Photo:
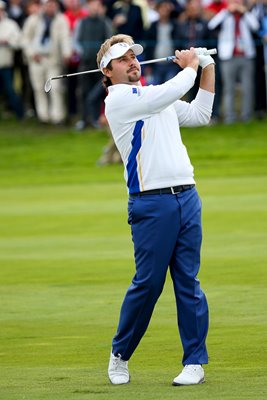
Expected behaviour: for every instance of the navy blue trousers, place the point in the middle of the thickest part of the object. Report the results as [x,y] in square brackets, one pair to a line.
[6,78]
[167,233]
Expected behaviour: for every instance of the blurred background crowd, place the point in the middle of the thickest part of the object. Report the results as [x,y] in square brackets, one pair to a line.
[44,38]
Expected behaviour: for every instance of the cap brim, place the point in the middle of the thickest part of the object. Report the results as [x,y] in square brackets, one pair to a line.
[137,49]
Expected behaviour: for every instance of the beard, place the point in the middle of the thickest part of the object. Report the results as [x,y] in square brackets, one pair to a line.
[134,76]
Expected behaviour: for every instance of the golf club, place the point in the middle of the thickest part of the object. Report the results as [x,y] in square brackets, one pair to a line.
[199,51]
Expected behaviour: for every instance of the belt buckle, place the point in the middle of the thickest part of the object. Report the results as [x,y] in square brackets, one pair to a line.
[173,191]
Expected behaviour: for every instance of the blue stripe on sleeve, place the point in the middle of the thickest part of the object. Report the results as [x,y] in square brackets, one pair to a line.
[133,181]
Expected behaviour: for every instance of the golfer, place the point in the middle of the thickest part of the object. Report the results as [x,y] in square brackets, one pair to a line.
[164,209]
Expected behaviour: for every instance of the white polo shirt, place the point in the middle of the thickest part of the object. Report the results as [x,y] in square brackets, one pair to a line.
[145,122]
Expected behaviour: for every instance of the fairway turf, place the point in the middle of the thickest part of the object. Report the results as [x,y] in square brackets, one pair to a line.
[66,260]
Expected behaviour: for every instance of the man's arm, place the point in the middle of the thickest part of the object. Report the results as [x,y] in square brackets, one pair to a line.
[207,80]
[199,111]
[141,102]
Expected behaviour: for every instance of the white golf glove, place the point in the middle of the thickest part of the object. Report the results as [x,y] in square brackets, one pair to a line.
[200,51]
[204,61]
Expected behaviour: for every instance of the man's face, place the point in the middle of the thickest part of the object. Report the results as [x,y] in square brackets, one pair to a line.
[95,7]
[193,8]
[125,69]
[235,2]
[50,8]
[72,4]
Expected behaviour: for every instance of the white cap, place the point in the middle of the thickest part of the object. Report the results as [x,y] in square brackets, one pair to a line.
[118,50]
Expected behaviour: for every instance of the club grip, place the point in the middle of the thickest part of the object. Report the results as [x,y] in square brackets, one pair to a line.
[202,51]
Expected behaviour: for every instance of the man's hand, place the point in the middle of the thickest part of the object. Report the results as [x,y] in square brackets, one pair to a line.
[3,42]
[186,58]
[66,60]
[204,61]
[236,8]
[37,58]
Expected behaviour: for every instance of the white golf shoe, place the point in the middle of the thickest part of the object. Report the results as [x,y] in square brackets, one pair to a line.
[192,374]
[118,370]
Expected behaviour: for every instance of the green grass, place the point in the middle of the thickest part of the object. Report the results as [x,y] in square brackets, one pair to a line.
[66,261]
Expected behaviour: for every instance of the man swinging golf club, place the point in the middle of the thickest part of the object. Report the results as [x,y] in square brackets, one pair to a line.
[164,209]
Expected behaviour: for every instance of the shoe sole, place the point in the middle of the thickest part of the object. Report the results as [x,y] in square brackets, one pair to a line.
[118,384]
[188,384]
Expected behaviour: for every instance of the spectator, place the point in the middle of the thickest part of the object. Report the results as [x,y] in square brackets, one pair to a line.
[144,6]
[74,12]
[9,42]
[179,6]
[91,32]
[47,45]
[259,9]
[160,43]
[109,7]
[236,51]
[192,31]
[32,7]
[213,8]
[127,19]
[210,10]
[152,13]
[17,10]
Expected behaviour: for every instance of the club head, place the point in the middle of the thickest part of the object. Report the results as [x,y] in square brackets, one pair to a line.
[48,85]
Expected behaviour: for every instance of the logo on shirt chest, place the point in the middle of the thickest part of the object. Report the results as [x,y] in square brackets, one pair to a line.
[135,91]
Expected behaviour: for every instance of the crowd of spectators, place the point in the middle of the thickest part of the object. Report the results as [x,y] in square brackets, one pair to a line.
[44,38]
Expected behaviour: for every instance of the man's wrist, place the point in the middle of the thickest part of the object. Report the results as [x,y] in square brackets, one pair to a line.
[194,65]
[209,67]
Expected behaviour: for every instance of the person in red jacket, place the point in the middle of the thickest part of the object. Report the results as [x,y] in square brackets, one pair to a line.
[74,12]
[214,7]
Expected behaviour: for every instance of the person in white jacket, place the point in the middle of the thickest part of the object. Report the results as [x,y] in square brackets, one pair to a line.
[164,208]
[236,51]
[47,46]
[10,36]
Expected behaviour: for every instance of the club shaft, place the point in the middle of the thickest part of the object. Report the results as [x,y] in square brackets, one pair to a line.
[76,73]
[170,58]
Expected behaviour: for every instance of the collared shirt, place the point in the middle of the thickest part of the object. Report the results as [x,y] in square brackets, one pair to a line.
[9,32]
[145,121]
[225,21]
